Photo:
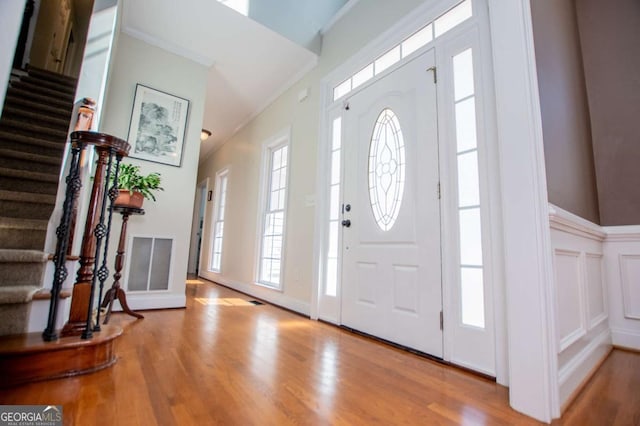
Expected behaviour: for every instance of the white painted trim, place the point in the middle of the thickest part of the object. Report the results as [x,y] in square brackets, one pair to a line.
[563,220]
[168,46]
[406,26]
[625,282]
[149,300]
[277,141]
[529,280]
[604,315]
[223,171]
[565,341]
[625,338]
[622,234]
[265,293]
[582,365]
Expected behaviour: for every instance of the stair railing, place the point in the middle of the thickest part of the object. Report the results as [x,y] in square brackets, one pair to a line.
[108,147]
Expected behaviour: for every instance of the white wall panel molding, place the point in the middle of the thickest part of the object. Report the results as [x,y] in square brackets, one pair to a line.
[622,276]
[562,220]
[596,293]
[629,273]
[621,234]
[570,306]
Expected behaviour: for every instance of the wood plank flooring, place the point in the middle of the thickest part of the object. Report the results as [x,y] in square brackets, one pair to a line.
[224,361]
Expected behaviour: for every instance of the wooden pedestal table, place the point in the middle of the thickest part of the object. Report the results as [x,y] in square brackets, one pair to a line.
[115,292]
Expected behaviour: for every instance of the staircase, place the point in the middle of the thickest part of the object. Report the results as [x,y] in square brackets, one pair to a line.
[33,134]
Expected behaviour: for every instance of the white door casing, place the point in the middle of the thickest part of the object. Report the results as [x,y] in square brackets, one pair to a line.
[391,283]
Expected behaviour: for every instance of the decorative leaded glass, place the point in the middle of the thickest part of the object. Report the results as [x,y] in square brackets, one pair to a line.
[386,169]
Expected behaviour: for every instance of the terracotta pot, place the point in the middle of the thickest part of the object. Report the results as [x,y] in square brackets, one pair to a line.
[127,199]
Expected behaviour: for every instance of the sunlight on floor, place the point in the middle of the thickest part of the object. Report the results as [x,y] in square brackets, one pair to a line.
[226,301]
[195,282]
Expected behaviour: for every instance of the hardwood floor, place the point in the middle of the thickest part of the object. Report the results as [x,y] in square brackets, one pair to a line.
[225,361]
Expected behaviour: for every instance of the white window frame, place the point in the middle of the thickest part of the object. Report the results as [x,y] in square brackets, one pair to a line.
[276,142]
[220,175]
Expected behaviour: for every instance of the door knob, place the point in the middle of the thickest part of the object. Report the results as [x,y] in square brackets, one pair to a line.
[346,223]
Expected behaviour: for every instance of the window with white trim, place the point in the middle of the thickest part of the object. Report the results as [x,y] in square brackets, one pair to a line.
[331,272]
[218,219]
[469,220]
[273,217]
[445,22]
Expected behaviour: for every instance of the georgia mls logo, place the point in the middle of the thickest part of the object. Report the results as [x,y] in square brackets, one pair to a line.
[53,410]
[30,415]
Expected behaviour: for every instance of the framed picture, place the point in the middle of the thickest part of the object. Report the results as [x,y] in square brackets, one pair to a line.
[158,125]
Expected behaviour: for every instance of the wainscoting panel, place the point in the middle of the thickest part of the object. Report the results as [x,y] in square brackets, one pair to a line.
[581,314]
[622,273]
[569,296]
[630,271]
[596,294]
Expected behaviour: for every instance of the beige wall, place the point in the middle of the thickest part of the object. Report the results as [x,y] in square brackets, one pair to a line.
[367,20]
[610,37]
[571,181]
[138,62]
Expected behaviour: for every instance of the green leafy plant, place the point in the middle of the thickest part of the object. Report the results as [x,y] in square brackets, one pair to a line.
[129,177]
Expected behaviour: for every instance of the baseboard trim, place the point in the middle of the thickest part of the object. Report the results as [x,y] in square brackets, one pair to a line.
[577,372]
[628,339]
[141,302]
[274,297]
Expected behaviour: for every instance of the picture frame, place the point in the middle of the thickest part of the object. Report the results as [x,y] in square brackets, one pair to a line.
[158,126]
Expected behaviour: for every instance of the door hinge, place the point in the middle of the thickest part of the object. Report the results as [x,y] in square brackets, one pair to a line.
[435,74]
[439,192]
[441,321]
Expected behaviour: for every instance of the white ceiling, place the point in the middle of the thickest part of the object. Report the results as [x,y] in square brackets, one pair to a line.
[249,64]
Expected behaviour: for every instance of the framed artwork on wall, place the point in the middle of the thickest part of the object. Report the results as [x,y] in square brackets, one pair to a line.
[158,126]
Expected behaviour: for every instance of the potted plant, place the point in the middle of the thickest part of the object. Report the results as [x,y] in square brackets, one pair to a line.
[134,187]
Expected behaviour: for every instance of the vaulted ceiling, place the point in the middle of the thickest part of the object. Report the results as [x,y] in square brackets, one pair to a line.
[249,63]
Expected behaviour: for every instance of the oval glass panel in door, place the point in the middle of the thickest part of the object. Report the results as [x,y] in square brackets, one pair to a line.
[386,169]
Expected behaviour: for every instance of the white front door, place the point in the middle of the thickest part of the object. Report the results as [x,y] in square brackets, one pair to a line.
[391,283]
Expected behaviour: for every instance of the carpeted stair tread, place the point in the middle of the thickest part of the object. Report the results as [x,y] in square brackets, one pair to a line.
[30,128]
[28,143]
[17,294]
[44,109]
[29,156]
[26,205]
[23,224]
[23,234]
[23,256]
[51,85]
[20,113]
[52,76]
[27,197]
[37,97]
[22,267]
[28,175]
[43,91]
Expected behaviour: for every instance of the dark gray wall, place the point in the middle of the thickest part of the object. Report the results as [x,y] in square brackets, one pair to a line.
[571,180]
[610,39]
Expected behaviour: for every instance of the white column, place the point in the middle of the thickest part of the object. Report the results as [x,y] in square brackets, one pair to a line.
[533,385]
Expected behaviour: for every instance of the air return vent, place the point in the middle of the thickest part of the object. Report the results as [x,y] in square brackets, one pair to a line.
[149,264]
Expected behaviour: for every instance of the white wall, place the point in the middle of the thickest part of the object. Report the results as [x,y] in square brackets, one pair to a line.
[138,62]
[10,19]
[364,22]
